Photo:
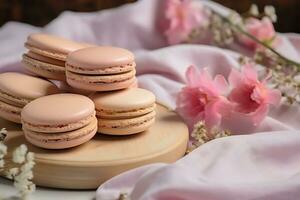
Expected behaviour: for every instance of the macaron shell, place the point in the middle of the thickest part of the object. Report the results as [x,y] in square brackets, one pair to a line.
[52,46]
[63,127]
[10,112]
[58,109]
[44,59]
[124,100]
[107,83]
[126,126]
[134,84]
[24,86]
[94,58]
[44,69]
[64,139]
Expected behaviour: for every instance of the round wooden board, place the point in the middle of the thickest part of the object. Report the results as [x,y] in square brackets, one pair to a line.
[90,164]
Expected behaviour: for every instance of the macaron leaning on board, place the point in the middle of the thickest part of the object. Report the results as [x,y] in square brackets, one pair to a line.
[124,112]
[59,121]
[17,90]
[47,54]
[101,68]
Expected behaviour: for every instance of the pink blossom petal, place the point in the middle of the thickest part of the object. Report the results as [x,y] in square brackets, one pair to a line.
[259,94]
[262,29]
[212,116]
[207,84]
[180,18]
[193,76]
[205,76]
[273,97]
[258,115]
[221,83]
[235,78]
[242,97]
[225,107]
[249,72]
[188,100]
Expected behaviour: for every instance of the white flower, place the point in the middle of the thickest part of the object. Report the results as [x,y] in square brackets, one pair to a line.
[235,18]
[254,10]
[271,13]
[12,172]
[19,154]
[23,180]
[3,152]
[201,135]
[3,133]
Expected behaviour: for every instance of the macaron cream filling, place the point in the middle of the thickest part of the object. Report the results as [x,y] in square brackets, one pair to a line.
[126,123]
[42,65]
[63,136]
[107,113]
[104,70]
[101,79]
[13,100]
[10,109]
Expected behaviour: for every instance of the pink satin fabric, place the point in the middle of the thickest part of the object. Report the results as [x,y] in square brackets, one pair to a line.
[263,165]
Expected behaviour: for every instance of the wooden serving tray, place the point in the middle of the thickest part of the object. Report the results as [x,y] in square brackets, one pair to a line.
[90,164]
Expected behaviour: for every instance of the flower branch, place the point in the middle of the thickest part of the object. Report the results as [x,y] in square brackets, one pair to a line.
[22,173]
[238,28]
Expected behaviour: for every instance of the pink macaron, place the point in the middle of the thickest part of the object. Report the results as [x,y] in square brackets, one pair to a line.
[101,68]
[59,121]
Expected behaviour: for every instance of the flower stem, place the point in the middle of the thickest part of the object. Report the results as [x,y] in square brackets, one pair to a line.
[240,29]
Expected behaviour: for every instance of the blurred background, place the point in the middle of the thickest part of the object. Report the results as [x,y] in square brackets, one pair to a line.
[40,12]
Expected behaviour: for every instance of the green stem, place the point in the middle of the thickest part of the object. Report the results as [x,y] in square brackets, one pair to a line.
[240,29]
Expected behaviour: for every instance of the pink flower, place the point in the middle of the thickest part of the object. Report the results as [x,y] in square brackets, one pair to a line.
[262,29]
[251,97]
[180,18]
[202,98]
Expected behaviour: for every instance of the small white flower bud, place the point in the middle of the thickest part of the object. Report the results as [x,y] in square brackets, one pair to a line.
[254,10]
[19,154]
[271,13]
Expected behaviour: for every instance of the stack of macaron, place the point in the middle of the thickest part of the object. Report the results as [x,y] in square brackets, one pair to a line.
[122,108]
[112,104]
[124,112]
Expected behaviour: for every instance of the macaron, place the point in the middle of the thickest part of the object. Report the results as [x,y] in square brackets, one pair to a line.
[17,90]
[47,54]
[124,112]
[59,121]
[101,68]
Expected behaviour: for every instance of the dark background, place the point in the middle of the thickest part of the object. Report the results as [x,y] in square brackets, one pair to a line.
[40,12]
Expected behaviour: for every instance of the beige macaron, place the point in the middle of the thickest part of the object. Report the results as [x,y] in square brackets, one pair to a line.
[124,112]
[17,90]
[47,54]
[59,121]
[101,68]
